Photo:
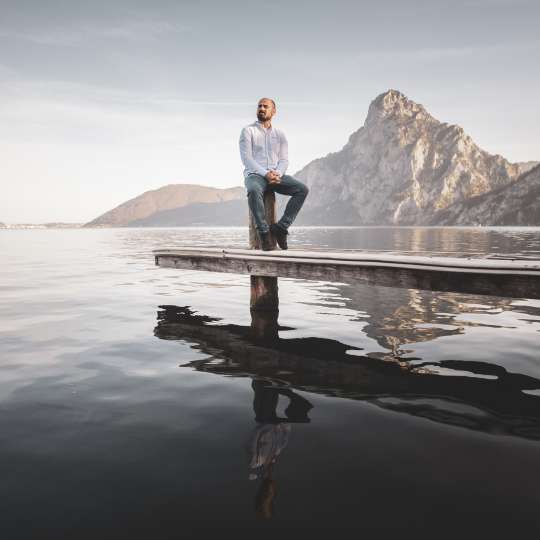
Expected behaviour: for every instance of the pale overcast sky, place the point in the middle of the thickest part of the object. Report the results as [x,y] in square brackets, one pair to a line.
[103,100]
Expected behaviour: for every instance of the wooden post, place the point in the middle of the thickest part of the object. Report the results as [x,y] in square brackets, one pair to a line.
[264,293]
[264,289]
[264,324]
[270,214]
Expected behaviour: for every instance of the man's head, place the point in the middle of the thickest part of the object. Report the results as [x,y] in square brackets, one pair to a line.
[266,108]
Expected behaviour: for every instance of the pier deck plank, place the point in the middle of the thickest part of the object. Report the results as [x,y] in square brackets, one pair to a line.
[519,278]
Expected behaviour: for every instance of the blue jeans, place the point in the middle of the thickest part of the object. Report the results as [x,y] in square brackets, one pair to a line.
[256,185]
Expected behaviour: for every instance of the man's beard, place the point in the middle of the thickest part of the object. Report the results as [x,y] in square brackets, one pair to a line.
[261,116]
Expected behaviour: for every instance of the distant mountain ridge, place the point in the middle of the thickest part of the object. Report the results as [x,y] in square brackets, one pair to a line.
[517,203]
[526,166]
[402,167]
[172,196]
[233,213]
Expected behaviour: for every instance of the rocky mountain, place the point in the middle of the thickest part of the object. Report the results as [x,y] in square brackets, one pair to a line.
[517,203]
[2,225]
[169,197]
[401,168]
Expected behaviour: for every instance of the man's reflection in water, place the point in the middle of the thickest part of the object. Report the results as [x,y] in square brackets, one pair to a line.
[271,436]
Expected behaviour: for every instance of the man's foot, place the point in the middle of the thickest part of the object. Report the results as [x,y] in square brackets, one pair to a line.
[280,234]
[266,244]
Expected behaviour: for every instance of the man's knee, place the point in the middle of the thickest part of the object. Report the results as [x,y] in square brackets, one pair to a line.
[254,190]
[303,189]
[297,187]
[254,187]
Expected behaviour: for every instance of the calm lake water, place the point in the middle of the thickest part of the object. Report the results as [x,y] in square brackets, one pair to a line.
[133,402]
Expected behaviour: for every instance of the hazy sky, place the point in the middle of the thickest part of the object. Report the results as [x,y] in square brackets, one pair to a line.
[103,100]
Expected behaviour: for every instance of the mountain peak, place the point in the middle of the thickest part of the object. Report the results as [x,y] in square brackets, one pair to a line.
[393,103]
[402,167]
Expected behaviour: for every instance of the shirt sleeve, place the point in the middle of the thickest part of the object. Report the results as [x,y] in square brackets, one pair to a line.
[283,161]
[246,153]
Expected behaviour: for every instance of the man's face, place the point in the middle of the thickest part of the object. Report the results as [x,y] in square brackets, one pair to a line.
[265,110]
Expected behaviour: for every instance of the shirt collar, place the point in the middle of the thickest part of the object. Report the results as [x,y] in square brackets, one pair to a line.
[260,124]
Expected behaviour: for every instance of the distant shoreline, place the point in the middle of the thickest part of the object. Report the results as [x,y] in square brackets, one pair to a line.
[30,226]
[42,226]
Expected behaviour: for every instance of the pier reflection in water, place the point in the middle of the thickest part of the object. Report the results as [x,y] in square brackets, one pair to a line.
[419,357]
[488,398]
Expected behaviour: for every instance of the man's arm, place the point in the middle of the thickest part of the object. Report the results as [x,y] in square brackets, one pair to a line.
[246,153]
[283,161]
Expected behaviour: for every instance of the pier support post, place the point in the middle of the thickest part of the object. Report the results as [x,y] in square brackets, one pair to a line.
[264,293]
[264,324]
[270,214]
[264,302]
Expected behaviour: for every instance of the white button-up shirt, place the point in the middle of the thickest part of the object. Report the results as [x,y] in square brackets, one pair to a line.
[263,149]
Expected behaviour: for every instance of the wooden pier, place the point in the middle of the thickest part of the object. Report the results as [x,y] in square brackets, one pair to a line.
[324,366]
[497,277]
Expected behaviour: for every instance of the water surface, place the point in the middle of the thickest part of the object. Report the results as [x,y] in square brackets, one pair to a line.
[135,400]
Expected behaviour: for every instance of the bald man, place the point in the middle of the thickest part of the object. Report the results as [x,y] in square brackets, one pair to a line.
[264,153]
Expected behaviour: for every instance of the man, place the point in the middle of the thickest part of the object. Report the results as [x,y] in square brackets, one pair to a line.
[264,153]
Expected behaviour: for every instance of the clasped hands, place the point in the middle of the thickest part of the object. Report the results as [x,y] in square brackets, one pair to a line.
[273,177]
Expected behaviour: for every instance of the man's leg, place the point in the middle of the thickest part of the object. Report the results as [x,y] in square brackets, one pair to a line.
[256,186]
[298,193]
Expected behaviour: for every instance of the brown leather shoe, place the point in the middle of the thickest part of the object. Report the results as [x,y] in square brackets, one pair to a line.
[280,235]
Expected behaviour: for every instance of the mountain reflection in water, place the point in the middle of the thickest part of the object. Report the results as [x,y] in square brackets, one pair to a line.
[398,317]
[490,401]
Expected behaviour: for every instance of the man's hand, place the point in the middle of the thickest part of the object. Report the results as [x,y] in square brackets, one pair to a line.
[273,177]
